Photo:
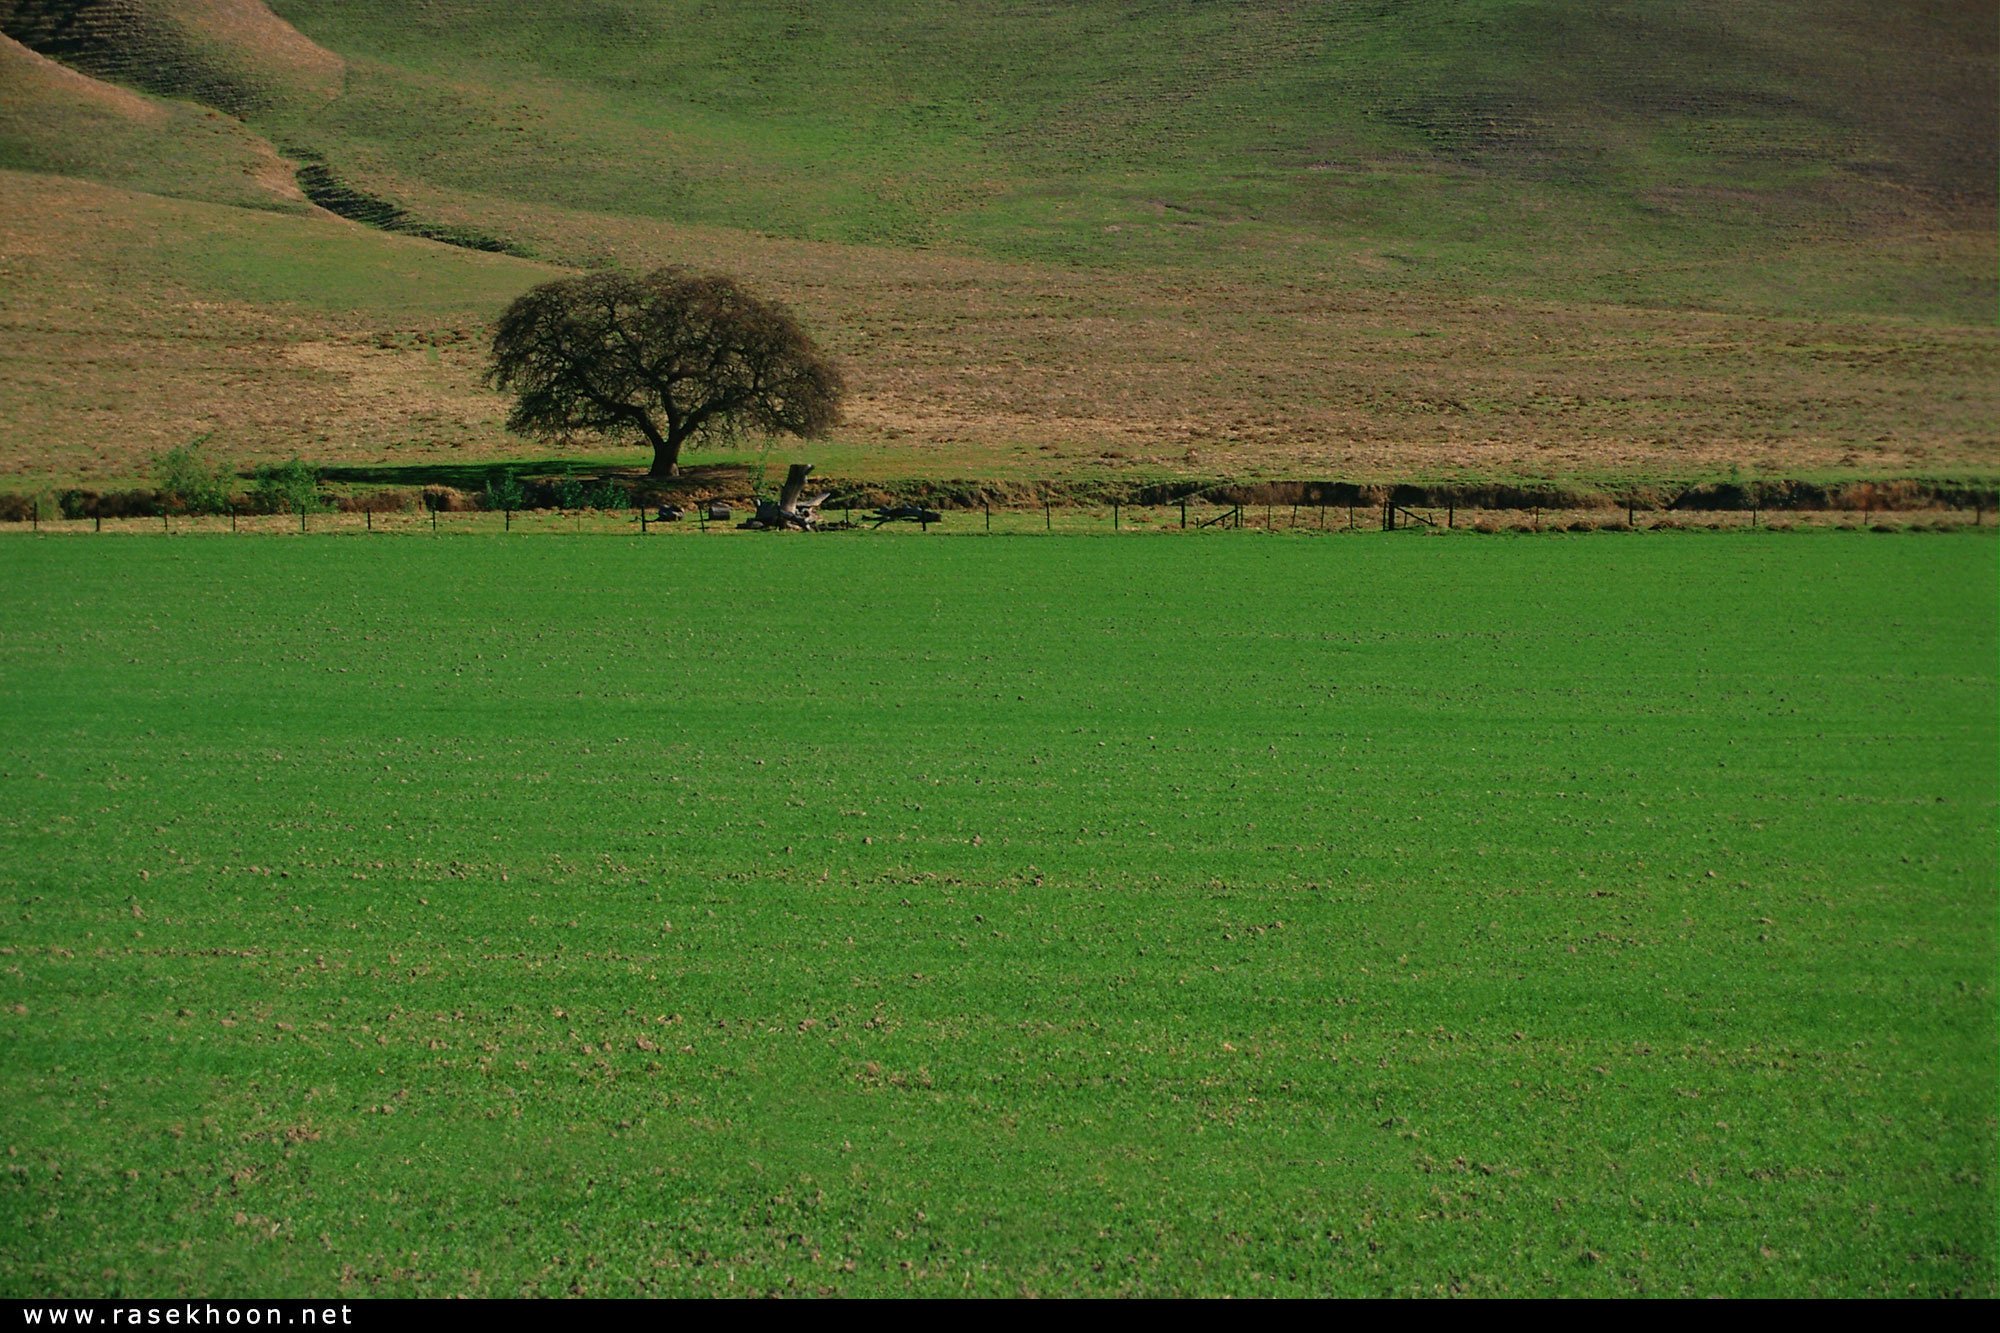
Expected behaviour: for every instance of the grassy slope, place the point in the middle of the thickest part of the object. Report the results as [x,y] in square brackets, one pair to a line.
[1381,239]
[56,121]
[1610,151]
[1089,915]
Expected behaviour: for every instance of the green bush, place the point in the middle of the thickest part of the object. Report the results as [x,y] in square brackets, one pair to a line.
[190,481]
[287,488]
[504,492]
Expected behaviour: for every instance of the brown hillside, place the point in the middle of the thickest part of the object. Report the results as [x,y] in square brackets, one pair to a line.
[232,54]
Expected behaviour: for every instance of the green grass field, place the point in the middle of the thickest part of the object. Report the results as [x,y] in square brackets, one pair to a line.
[1251,914]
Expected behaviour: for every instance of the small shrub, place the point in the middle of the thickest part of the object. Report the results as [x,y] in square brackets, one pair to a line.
[607,495]
[505,493]
[287,488]
[190,481]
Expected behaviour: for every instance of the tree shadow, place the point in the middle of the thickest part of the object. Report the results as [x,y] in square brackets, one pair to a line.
[695,479]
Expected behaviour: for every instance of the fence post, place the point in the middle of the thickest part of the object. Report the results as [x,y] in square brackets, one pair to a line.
[38,513]
[987,505]
[506,520]
[1048,517]
[232,518]
[1114,516]
[1183,513]
[302,518]
[1451,515]
[99,520]
[368,517]
[642,520]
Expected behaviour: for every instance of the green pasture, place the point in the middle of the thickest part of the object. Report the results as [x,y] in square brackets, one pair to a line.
[1613,152]
[1239,914]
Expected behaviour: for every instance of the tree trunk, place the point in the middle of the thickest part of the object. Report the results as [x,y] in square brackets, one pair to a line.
[666,451]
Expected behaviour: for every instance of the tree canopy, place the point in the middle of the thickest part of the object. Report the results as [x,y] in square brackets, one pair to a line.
[671,357]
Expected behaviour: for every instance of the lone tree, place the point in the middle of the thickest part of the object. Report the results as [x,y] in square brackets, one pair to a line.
[673,357]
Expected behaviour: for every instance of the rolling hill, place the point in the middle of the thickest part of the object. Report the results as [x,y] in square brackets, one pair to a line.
[1369,238]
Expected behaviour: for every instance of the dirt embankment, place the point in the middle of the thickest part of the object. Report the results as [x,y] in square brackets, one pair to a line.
[735,483]
[1730,495]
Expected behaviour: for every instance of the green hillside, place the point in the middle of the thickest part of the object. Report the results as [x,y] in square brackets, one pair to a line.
[1804,162]
[1566,146]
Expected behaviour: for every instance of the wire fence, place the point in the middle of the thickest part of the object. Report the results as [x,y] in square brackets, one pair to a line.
[1192,519]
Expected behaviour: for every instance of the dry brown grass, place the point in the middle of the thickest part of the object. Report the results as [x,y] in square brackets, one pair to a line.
[119,344]
[235,54]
